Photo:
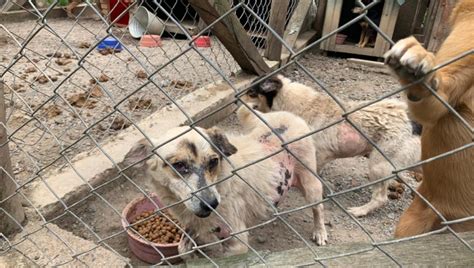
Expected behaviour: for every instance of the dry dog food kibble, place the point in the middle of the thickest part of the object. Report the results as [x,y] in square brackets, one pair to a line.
[158,229]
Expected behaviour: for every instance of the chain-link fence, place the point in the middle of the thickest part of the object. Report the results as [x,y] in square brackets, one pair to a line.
[74,109]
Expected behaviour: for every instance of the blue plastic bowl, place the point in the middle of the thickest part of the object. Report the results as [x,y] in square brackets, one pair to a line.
[110,42]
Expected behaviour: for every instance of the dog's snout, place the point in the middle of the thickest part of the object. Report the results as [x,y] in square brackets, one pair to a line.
[207,207]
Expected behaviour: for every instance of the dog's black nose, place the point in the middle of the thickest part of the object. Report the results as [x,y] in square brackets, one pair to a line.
[213,203]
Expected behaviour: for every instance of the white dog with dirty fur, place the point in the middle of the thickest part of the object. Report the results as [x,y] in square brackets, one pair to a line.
[196,173]
[386,123]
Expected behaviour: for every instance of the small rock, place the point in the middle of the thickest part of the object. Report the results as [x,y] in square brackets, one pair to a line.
[54,55]
[84,45]
[106,51]
[82,100]
[67,55]
[261,239]
[103,78]
[62,62]
[141,74]
[18,88]
[342,79]
[182,84]
[120,123]
[165,83]
[42,79]
[53,111]
[35,60]
[67,69]
[139,103]
[96,91]
[30,69]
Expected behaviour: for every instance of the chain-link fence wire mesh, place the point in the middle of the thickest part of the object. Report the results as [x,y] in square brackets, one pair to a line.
[64,98]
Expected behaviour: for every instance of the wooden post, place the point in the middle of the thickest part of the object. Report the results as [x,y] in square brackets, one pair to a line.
[277,23]
[7,186]
[441,27]
[319,21]
[232,34]
[296,22]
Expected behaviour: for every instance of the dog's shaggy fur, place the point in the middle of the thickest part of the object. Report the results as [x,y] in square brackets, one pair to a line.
[448,182]
[386,123]
[241,202]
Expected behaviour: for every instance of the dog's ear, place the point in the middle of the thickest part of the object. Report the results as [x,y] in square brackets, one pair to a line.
[138,153]
[271,85]
[219,139]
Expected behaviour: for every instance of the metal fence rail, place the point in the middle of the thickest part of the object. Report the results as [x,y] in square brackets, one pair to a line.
[64,98]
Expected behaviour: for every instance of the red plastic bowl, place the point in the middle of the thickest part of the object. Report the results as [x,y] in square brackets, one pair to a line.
[144,249]
[202,41]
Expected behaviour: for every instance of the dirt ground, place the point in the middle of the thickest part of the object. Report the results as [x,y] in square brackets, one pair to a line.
[65,96]
[349,82]
[68,110]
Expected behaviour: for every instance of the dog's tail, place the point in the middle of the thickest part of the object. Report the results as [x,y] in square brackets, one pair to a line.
[416,128]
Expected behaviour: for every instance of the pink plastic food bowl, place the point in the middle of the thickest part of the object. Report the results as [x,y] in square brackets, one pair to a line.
[150,40]
[144,249]
[340,39]
[202,41]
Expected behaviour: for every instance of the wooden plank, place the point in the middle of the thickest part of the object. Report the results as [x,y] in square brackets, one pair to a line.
[440,28]
[7,186]
[296,22]
[232,34]
[300,43]
[387,25]
[277,23]
[319,21]
[369,63]
[331,22]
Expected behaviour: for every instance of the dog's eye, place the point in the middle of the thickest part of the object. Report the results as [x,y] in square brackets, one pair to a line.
[213,163]
[181,167]
[252,94]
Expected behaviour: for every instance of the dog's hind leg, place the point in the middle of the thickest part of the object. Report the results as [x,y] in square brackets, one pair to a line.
[417,219]
[378,168]
[312,190]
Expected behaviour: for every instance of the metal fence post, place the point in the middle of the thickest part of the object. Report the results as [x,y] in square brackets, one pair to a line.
[10,205]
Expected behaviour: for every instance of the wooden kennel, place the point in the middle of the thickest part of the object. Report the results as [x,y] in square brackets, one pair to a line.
[333,20]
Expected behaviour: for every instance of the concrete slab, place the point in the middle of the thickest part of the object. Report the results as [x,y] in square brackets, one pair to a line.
[44,248]
[94,167]
[442,250]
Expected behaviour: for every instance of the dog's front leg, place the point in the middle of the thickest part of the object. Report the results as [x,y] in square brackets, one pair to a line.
[237,246]
[411,62]
[312,190]
[189,242]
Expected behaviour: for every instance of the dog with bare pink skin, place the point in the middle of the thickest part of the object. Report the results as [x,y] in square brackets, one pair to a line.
[385,123]
[216,202]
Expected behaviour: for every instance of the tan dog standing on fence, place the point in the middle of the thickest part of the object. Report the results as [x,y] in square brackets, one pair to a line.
[386,123]
[448,182]
[239,203]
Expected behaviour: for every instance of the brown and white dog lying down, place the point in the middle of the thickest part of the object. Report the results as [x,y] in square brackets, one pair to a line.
[200,165]
[386,123]
[448,182]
